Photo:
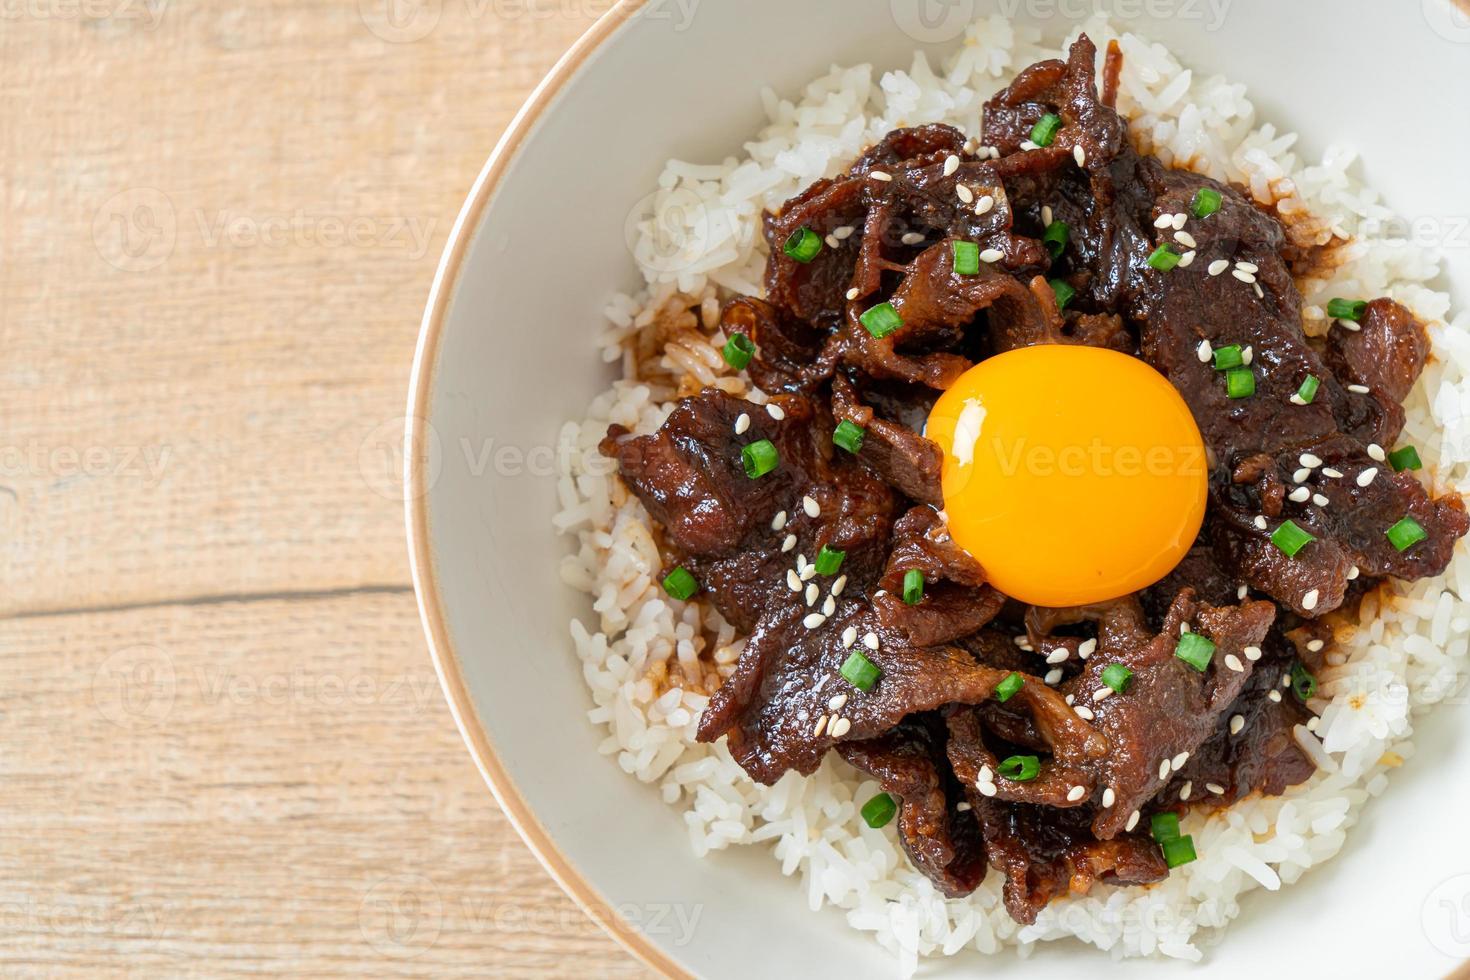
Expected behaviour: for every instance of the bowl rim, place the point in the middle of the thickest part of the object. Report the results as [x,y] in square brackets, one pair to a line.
[416,475]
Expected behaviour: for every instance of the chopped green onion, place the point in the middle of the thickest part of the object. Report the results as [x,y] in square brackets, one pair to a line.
[1009,687]
[1020,768]
[1117,677]
[879,810]
[803,245]
[1405,459]
[1064,293]
[759,458]
[1406,533]
[680,584]
[1347,309]
[1195,650]
[1164,258]
[1164,826]
[1179,851]
[1308,391]
[1046,129]
[913,586]
[1240,382]
[1057,234]
[1206,202]
[829,560]
[966,258]
[1303,684]
[881,320]
[860,672]
[1229,357]
[1290,538]
[849,436]
[738,351]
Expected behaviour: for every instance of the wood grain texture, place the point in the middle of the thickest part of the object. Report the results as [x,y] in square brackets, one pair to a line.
[225,749]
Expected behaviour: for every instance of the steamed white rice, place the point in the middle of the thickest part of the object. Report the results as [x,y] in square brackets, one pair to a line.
[650,661]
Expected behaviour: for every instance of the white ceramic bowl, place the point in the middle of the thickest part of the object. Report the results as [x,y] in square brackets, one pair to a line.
[506,355]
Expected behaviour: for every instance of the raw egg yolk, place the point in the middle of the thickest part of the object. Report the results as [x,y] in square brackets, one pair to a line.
[1073,474]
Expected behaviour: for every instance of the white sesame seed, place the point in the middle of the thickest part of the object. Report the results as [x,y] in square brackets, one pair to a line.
[1071,699]
[1252,653]
[1186,239]
[965,194]
[912,238]
[811,593]
[778,523]
[1053,676]
[1286,680]
[1029,145]
[1350,326]
[849,637]
[1250,267]
[880,175]
[1187,259]
[1164,221]
[1366,477]
[1109,798]
[1353,573]
[1309,601]
[839,728]
[1046,214]
[810,505]
[1233,662]
[1132,821]
[1316,645]
[1299,494]
[742,423]
[808,573]
[1204,351]
[775,411]
[1359,389]
[832,242]
[1180,220]
[1332,474]
[1186,789]
[839,585]
[793,581]
[837,702]
[821,727]
[1164,769]
[813,620]
[962,807]
[987,775]
[1310,461]
[1021,640]
[1215,788]
[1247,355]
[844,233]
[992,255]
[1075,793]
[852,294]
[800,563]
[870,640]
[789,543]
[1058,656]
[1102,693]
[1218,266]
[1237,722]
[1312,723]
[1296,399]
[1183,628]
[1275,695]
[951,164]
[986,789]
[1375,451]
[1177,763]
[829,606]
[1243,276]
[985,204]
[1084,712]
[1320,500]
[1260,522]
[1301,475]
[1080,155]
[1242,592]
[1086,648]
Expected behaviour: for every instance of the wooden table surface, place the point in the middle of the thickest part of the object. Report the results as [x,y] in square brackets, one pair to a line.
[224,748]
